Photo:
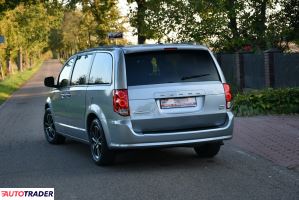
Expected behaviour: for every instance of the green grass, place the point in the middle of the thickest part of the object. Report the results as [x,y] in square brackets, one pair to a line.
[15,81]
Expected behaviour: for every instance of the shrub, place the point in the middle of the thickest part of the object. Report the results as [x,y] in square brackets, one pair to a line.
[267,101]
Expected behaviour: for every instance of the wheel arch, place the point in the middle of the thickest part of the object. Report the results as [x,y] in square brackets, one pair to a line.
[47,106]
[94,112]
[90,118]
[48,103]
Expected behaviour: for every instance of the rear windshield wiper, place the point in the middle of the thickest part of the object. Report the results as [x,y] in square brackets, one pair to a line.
[194,76]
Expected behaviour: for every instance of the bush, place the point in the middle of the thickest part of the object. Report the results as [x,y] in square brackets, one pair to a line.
[267,101]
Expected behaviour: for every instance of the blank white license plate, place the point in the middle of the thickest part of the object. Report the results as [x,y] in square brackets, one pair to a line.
[178,102]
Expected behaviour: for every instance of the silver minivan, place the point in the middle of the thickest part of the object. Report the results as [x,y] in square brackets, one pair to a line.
[143,96]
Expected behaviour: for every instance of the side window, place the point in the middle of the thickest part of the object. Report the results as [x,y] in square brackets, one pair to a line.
[101,70]
[81,69]
[64,76]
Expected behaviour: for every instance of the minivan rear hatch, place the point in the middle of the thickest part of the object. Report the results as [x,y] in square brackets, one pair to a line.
[174,90]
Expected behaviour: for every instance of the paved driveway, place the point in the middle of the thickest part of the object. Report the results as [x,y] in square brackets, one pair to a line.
[240,171]
[273,137]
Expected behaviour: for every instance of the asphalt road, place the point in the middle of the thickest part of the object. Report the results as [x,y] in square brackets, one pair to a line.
[27,160]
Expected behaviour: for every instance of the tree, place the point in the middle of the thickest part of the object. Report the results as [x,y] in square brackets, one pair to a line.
[137,19]
[290,16]
[104,15]
[71,33]
[226,25]
[55,10]
[164,20]
[246,23]
[6,5]
[27,27]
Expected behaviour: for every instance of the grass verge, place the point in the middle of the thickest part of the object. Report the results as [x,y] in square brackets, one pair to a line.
[15,81]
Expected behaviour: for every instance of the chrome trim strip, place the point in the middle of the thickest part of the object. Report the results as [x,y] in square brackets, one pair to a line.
[141,112]
[174,143]
[72,127]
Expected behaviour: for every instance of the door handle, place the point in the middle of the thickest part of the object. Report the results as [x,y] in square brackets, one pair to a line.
[67,94]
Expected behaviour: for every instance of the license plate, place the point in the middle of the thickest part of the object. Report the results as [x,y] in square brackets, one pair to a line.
[178,103]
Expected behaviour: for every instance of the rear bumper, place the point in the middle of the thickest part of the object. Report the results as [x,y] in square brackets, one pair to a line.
[122,136]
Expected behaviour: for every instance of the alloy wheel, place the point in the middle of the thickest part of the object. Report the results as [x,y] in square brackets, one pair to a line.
[96,141]
[49,126]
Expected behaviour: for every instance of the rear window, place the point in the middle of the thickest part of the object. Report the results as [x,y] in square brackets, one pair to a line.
[158,67]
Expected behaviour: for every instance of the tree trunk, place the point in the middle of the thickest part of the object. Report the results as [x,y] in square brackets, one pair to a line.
[30,62]
[26,59]
[89,39]
[20,60]
[140,21]
[261,23]
[1,71]
[141,39]
[8,63]
[232,16]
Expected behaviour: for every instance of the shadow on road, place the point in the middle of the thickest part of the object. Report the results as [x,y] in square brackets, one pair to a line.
[145,159]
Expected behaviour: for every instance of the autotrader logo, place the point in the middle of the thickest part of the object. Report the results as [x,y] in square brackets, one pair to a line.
[27,193]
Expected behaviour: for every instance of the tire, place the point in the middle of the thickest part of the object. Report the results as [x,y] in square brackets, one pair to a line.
[100,153]
[49,128]
[207,150]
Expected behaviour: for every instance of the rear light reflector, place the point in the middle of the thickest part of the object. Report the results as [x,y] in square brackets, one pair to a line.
[228,95]
[121,102]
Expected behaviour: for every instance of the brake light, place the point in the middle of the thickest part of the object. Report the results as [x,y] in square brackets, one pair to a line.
[228,95]
[121,102]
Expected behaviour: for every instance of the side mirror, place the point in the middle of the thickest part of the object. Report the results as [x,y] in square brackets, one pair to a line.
[49,82]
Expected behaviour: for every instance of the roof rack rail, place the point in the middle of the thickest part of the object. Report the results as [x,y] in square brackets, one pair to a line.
[99,47]
[110,46]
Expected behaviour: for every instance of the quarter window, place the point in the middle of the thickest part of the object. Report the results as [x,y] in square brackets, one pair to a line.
[81,69]
[64,76]
[101,70]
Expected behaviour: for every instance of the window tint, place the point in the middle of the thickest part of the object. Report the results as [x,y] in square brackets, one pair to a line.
[101,70]
[64,76]
[81,69]
[170,67]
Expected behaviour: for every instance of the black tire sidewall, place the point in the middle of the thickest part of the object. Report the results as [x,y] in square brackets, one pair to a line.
[107,156]
[57,139]
[49,139]
[208,150]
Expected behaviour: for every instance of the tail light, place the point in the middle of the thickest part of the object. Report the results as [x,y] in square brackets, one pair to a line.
[228,95]
[121,102]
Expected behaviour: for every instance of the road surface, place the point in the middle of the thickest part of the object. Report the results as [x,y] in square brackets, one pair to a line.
[27,160]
